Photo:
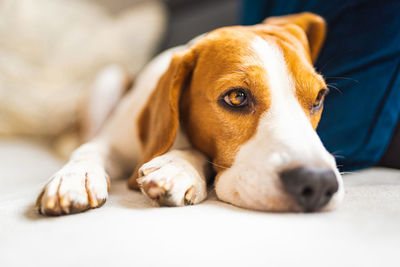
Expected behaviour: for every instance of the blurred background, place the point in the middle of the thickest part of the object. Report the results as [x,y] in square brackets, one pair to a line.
[186,18]
[189,18]
[51,51]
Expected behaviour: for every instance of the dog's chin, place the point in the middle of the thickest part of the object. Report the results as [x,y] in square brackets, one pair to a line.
[246,189]
[262,194]
[281,204]
[268,204]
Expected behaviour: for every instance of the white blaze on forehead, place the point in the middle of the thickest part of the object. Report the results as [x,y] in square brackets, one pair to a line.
[285,127]
[271,58]
[280,83]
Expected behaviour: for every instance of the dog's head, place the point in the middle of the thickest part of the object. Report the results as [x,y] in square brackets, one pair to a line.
[250,99]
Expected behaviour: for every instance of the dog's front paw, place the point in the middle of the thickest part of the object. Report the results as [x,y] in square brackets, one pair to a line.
[170,180]
[75,188]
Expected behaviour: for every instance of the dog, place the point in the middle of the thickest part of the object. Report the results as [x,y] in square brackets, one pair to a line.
[239,104]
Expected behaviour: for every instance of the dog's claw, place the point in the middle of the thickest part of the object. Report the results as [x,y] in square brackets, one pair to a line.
[189,196]
[147,171]
[51,203]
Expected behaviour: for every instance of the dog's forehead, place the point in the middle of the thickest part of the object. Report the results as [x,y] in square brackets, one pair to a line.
[295,63]
[232,49]
[225,49]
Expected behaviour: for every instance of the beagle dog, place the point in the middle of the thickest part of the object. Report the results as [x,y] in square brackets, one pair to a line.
[239,104]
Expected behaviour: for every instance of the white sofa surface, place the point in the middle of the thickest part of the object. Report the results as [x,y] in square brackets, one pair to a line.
[128,231]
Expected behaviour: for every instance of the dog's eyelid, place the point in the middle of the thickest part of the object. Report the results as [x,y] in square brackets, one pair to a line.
[230,89]
[322,92]
[320,97]
[325,91]
[318,102]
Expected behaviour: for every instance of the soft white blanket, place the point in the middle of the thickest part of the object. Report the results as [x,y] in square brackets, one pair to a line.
[128,231]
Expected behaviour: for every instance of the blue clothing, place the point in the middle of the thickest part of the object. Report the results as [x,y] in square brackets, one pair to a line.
[361,57]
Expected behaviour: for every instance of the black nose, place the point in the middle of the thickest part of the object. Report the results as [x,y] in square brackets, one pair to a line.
[312,188]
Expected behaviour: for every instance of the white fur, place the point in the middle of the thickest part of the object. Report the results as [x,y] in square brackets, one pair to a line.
[284,138]
[181,170]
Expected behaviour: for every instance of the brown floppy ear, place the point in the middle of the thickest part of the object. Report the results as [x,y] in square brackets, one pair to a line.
[313,25]
[158,122]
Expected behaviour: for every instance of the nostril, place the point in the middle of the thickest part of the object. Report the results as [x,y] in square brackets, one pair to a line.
[329,193]
[307,192]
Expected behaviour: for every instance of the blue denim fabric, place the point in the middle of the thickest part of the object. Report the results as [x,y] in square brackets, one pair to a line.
[361,58]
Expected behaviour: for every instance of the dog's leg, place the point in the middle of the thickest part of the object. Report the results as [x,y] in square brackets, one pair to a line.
[83,182]
[177,178]
[110,84]
[80,185]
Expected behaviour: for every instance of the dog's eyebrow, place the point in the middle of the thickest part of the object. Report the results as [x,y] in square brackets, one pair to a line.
[242,73]
[233,78]
[308,85]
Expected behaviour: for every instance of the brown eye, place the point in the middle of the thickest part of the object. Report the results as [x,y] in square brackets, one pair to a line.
[236,98]
[319,100]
